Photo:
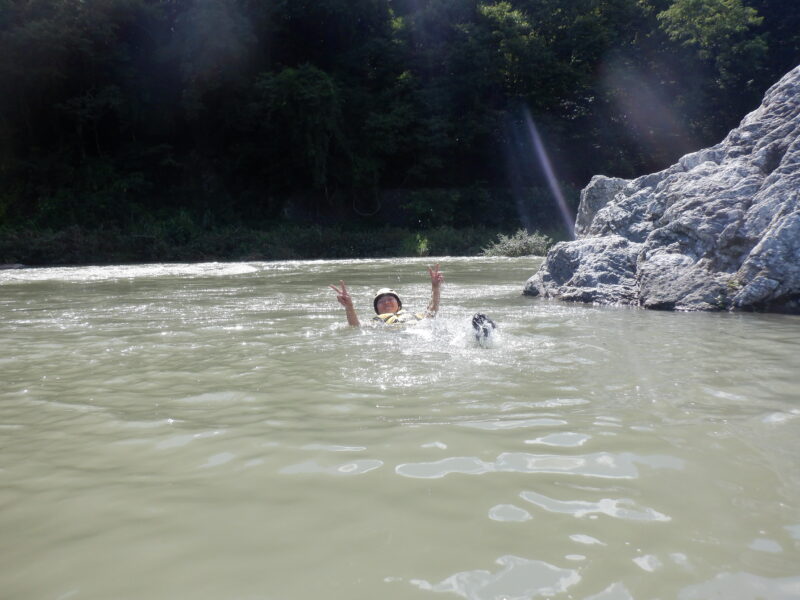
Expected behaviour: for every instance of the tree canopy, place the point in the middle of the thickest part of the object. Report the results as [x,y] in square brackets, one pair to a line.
[317,109]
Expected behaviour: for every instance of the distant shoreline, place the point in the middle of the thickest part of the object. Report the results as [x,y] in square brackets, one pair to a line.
[75,245]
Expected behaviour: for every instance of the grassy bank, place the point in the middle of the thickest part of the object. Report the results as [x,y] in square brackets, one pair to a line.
[184,242]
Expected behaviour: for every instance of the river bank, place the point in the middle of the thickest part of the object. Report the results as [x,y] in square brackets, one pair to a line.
[183,242]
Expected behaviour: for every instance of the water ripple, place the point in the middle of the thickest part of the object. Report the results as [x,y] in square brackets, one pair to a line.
[518,578]
[616,591]
[744,586]
[602,464]
[356,467]
[566,439]
[619,508]
[509,513]
[499,425]
[149,407]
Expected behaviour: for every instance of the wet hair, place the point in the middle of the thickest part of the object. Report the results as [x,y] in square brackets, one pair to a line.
[483,326]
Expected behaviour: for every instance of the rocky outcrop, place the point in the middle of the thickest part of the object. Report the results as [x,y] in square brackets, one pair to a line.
[719,230]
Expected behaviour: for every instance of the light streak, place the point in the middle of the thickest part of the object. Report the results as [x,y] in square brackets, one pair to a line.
[549,173]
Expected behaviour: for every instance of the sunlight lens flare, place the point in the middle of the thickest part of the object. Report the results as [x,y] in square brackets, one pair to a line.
[645,107]
[549,173]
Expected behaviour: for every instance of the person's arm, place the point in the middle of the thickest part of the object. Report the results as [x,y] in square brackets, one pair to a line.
[436,289]
[343,296]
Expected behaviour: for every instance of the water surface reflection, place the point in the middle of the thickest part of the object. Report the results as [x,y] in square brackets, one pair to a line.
[216,431]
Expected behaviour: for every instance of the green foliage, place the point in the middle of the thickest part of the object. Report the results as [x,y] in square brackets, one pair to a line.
[416,245]
[114,112]
[708,25]
[431,208]
[466,241]
[521,243]
[717,30]
[301,109]
[723,35]
[181,237]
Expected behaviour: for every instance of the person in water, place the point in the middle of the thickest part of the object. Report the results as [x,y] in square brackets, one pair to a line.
[387,304]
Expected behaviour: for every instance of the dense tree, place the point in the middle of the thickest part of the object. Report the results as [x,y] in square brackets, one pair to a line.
[117,110]
[719,32]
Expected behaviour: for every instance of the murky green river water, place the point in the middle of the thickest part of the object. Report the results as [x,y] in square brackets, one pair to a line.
[216,432]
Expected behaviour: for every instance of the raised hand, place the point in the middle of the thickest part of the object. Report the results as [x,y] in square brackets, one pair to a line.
[437,278]
[342,295]
[436,285]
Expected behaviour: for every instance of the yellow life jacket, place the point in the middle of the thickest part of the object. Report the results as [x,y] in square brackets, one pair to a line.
[398,318]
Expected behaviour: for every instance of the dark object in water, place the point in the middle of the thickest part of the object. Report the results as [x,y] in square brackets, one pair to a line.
[484,327]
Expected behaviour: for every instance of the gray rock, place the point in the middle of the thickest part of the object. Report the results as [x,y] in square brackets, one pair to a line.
[594,197]
[719,230]
[596,269]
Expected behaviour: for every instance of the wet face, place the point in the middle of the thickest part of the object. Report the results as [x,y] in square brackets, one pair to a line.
[387,304]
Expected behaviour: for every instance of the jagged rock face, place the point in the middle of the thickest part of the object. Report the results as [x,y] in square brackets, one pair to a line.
[719,230]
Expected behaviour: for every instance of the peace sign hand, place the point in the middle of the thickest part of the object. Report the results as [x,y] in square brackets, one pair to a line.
[437,278]
[342,295]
